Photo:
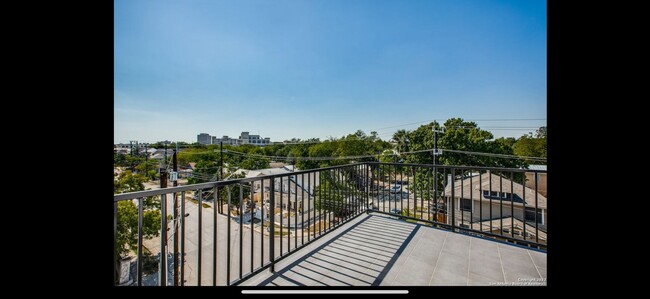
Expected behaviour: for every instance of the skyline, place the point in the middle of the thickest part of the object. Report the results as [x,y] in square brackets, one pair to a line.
[315,69]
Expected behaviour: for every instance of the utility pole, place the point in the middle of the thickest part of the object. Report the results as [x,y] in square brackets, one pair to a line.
[221,159]
[436,152]
[435,171]
[163,177]
[221,176]
[146,156]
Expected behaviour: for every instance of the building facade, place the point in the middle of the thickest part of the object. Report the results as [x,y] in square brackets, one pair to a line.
[244,138]
[204,138]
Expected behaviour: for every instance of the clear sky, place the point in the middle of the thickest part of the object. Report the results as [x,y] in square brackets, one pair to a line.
[305,69]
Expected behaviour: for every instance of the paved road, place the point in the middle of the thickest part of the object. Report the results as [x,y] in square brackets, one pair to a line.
[207,248]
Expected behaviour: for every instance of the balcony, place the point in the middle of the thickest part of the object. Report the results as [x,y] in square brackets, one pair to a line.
[365,224]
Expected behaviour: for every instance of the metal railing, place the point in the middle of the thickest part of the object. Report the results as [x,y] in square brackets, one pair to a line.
[499,203]
[262,216]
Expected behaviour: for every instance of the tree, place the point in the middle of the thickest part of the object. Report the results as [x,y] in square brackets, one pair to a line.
[204,171]
[528,146]
[401,138]
[127,214]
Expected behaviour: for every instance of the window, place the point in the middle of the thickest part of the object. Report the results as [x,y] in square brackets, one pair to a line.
[466,204]
[530,215]
[496,194]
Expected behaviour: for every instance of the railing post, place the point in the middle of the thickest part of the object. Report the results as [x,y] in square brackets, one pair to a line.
[163,240]
[453,206]
[272,226]
[140,232]
[116,266]
[368,185]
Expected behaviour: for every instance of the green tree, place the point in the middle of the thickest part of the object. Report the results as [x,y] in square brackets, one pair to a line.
[528,146]
[127,214]
[401,138]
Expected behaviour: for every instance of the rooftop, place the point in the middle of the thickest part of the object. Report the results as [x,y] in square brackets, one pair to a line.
[378,250]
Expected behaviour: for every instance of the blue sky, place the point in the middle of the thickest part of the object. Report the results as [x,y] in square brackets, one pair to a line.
[305,69]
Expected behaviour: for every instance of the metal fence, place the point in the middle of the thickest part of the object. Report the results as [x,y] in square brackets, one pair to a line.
[221,233]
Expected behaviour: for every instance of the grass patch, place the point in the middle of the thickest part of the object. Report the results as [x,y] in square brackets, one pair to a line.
[205,205]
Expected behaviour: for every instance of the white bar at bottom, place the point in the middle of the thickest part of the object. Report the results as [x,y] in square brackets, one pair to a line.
[324,291]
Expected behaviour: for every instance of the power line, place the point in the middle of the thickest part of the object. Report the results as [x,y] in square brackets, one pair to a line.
[372,156]
[438,119]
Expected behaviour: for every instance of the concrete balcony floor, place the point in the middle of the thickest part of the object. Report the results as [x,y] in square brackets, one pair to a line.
[379,250]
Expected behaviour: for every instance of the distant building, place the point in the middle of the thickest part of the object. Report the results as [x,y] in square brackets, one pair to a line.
[204,138]
[227,140]
[540,176]
[487,199]
[244,138]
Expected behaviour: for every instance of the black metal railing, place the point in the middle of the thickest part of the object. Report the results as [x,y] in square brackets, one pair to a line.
[501,203]
[262,216]
[265,219]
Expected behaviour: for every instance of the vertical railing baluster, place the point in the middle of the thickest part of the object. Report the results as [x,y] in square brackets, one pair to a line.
[390,187]
[462,195]
[163,240]
[281,209]
[228,255]
[295,212]
[309,213]
[536,209]
[200,244]
[413,185]
[480,199]
[471,200]
[241,228]
[272,224]
[288,214]
[140,232]
[401,191]
[320,201]
[523,206]
[175,254]
[183,238]
[428,196]
[252,209]
[368,182]
[512,205]
[435,194]
[215,194]
[302,210]
[444,194]
[415,192]
[116,262]
[453,206]
[490,197]
[501,202]
[262,223]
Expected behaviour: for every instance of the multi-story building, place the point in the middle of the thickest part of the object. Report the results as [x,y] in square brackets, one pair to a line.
[204,138]
[244,138]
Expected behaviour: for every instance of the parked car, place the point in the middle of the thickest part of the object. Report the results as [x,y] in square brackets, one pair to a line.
[206,195]
[396,189]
